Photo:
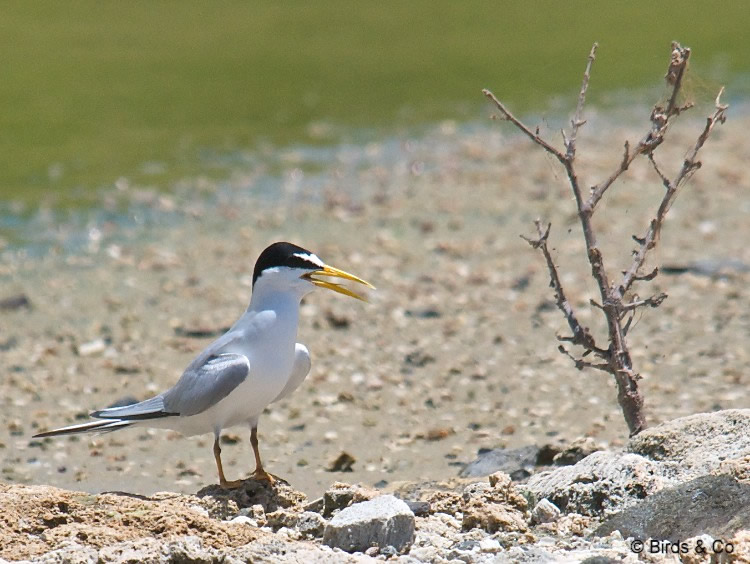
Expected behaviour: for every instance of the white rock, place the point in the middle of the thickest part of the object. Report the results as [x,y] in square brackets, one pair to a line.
[200,510]
[383,521]
[244,520]
[91,348]
[490,545]
[545,512]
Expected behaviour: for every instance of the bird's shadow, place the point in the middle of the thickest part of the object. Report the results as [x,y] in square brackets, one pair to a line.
[140,496]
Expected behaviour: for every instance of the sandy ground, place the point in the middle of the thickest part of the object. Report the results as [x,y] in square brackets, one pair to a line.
[456,350]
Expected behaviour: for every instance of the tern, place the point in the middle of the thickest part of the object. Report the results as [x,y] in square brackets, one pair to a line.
[258,361]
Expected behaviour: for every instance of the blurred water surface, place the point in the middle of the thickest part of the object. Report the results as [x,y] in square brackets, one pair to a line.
[152,92]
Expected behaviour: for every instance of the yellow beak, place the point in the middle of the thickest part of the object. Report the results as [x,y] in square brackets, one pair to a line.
[336,273]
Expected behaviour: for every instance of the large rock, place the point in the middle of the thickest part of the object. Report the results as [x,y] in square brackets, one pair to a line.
[698,444]
[664,456]
[383,521]
[715,505]
[601,484]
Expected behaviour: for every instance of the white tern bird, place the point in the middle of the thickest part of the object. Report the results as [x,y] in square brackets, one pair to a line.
[256,362]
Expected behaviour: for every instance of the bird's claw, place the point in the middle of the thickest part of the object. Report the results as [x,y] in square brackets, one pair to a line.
[231,485]
[261,475]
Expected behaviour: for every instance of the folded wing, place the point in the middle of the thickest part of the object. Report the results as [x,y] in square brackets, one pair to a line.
[205,384]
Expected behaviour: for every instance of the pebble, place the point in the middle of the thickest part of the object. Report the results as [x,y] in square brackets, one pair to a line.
[490,545]
[243,520]
[545,512]
[311,524]
[92,348]
[12,303]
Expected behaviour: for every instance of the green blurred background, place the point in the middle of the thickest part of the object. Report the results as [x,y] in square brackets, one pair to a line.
[92,91]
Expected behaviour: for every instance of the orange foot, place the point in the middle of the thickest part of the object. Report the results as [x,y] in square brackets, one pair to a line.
[261,475]
[230,485]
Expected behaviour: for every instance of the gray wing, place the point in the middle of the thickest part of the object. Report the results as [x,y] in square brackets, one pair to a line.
[207,381]
[299,371]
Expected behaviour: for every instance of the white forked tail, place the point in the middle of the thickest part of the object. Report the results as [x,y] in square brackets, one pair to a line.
[90,427]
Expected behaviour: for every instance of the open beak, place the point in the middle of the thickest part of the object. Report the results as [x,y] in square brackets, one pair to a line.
[336,273]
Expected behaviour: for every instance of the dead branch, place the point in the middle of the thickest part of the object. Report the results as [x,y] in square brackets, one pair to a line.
[581,335]
[578,120]
[689,166]
[653,301]
[533,135]
[580,364]
[613,305]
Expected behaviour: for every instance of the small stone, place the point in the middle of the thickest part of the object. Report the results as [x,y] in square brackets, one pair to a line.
[419,508]
[15,302]
[281,519]
[317,505]
[545,512]
[123,401]
[490,545]
[230,439]
[92,348]
[286,532]
[200,510]
[244,520]
[255,513]
[388,551]
[383,521]
[311,524]
[467,545]
[343,463]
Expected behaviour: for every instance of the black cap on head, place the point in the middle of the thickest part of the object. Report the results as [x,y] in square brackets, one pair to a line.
[283,254]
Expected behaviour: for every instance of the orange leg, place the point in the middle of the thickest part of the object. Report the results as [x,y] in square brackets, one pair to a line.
[222,480]
[260,474]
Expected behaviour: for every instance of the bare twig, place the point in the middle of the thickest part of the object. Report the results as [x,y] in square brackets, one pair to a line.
[689,166]
[533,135]
[580,364]
[613,305]
[664,180]
[648,277]
[598,191]
[578,121]
[581,335]
[659,123]
[675,72]
[653,301]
